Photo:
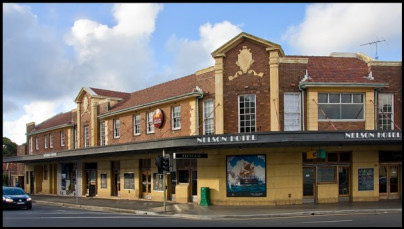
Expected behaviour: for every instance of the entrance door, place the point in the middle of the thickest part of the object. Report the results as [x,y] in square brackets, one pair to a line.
[145,184]
[32,179]
[389,181]
[343,183]
[309,183]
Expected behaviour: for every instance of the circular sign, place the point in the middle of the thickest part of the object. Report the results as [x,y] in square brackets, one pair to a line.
[158,118]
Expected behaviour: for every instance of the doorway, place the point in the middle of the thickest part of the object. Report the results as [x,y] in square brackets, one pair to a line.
[145,184]
[116,183]
[343,183]
[32,181]
[309,182]
[389,181]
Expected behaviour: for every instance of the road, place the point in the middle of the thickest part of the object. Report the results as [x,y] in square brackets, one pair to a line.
[52,216]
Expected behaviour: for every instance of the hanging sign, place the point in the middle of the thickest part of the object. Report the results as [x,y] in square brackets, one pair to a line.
[158,118]
[190,155]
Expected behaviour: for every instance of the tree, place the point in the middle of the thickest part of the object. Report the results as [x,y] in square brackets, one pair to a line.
[9,147]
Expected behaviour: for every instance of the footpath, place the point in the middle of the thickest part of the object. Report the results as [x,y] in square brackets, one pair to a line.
[195,211]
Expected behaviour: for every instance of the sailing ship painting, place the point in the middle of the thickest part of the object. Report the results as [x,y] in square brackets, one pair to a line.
[246,176]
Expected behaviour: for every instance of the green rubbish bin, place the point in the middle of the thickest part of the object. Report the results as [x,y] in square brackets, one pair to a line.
[205,197]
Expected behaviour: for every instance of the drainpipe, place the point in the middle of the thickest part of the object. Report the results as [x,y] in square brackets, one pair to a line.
[375,104]
[197,113]
[302,108]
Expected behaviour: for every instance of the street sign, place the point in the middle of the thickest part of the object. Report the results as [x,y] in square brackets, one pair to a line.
[190,155]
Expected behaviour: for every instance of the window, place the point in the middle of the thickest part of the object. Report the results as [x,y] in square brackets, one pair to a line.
[136,124]
[176,118]
[150,125]
[36,143]
[46,141]
[62,138]
[291,111]
[30,145]
[208,114]
[51,140]
[326,174]
[116,128]
[247,113]
[103,180]
[129,181]
[45,172]
[385,112]
[86,137]
[340,106]
[75,137]
[102,133]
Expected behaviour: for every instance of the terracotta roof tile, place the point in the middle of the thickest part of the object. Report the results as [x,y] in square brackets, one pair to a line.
[60,119]
[165,90]
[109,93]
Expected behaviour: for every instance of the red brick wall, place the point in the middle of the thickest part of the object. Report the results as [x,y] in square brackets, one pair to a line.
[327,126]
[392,76]
[126,125]
[246,84]
[56,141]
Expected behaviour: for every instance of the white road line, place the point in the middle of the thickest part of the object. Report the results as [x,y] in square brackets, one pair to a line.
[87,217]
[331,221]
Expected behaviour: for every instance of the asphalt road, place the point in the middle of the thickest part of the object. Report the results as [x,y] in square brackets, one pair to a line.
[52,216]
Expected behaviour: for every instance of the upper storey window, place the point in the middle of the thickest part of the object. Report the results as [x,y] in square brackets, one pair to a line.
[208,115]
[176,116]
[36,143]
[340,106]
[51,140]
[46,141]
[385,112]
[247,113]
[86,136]
[116,128]
[102,133]
[136,124]
[150,125]
[291,111]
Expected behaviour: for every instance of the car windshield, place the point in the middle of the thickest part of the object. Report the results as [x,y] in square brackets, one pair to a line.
[13,191]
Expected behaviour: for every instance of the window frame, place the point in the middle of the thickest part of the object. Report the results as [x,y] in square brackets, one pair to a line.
[36,143]
[86,136]
[45,141]
[175,119]
[255,114]
[131,183]
[136,124]
[62,138]
[51,140]
[325,119]
[206,124]
[380,111]
[150,124]
[117,128]
[299,114]
[102,133]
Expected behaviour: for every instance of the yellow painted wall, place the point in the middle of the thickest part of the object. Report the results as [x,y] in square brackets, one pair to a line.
[327,193]
[365,159]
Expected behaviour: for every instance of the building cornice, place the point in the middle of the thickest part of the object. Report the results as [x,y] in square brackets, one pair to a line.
[334,84]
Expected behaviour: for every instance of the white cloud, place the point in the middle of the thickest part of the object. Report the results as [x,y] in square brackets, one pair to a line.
[343,27]
[193,55]
[38,111]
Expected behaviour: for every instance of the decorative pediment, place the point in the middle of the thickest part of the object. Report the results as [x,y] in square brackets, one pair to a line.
[221,51]
[245,60]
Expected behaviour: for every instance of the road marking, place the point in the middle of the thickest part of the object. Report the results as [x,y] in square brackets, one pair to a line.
[330,221]
[87,217]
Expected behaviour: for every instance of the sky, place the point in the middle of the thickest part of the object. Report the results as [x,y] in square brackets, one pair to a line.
[52,50]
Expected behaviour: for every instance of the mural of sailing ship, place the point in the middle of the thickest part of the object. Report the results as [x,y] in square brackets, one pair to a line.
[246,175]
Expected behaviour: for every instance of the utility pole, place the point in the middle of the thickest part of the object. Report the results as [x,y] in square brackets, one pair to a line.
[374,43]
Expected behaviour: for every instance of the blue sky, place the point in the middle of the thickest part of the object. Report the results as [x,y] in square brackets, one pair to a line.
[52,50]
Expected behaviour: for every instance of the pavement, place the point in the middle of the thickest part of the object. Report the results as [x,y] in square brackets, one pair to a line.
[196,211]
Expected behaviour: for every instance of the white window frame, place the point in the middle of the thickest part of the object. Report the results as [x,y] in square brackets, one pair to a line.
[102,133]
[255,114]
[46,141]
[31,146]
[340,103]
[51,140]
[150,124]
[381,101]
[136,124]
[208,118]
[116,128]
[286,112]
[75,137]
[36,143]
[62,138]
[176,118]
[86,136]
